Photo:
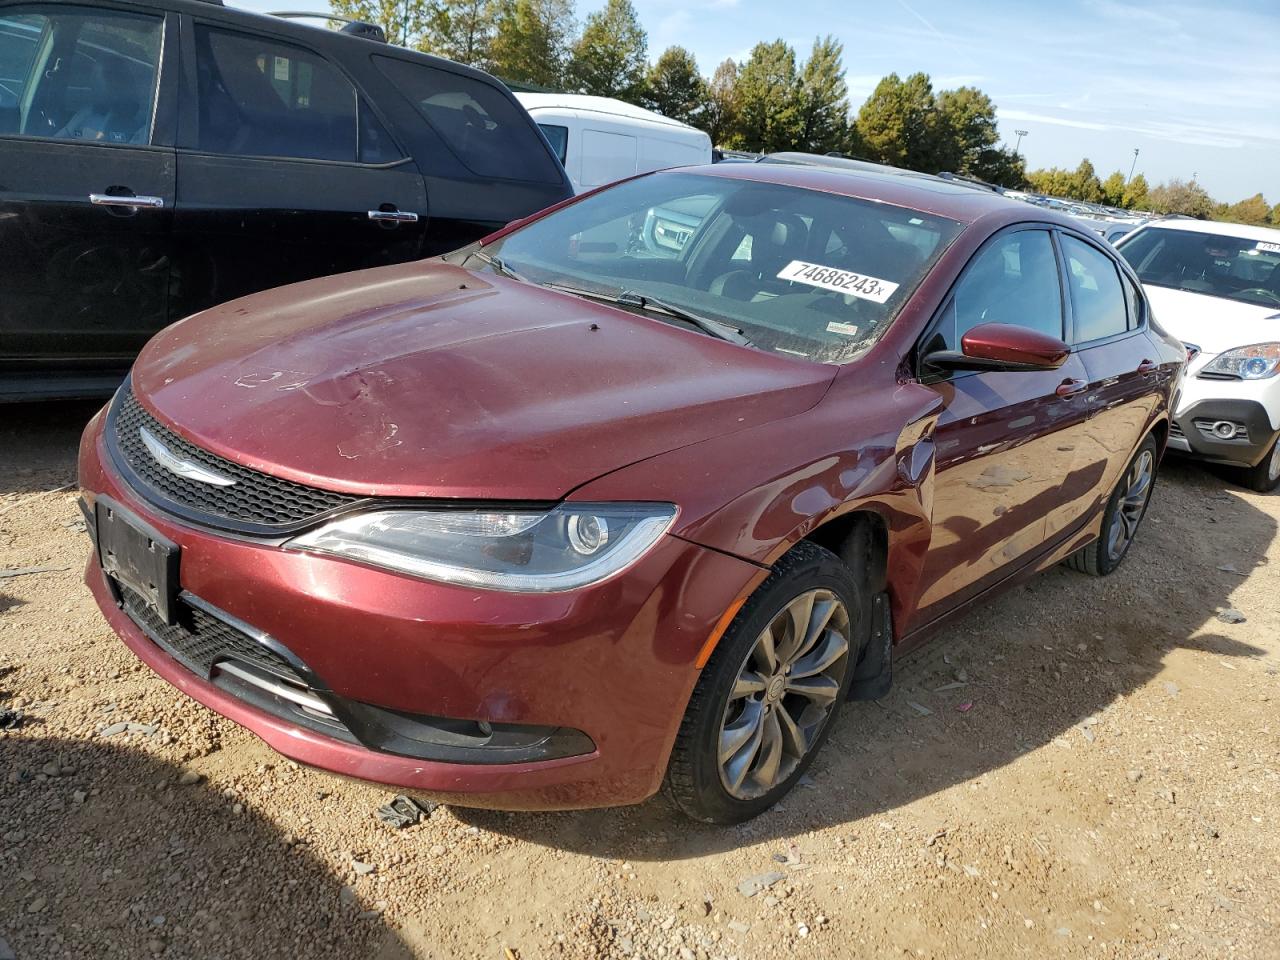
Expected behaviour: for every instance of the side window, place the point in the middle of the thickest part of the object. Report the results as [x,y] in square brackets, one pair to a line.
[1097,300]
[480,124]
[1133,300]
[259,97]
[77,73]
[1015,281]
[376,145]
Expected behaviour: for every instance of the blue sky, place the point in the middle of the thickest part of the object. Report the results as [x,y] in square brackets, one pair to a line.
[1195,87]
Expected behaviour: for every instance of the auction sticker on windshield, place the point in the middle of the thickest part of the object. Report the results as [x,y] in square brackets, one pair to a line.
[1269,247]
[840,281]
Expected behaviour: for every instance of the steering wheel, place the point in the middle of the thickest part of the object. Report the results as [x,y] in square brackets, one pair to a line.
[1275,297]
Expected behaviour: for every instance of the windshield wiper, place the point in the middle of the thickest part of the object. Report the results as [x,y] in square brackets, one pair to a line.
[498,266]
[630,298]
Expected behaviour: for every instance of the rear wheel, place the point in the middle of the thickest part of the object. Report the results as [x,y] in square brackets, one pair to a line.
[1123,516]
[1266,474]
[768,696]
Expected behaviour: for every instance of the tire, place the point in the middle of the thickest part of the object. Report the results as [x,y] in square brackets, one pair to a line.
[1104,555]
[719,711]
[1264,476]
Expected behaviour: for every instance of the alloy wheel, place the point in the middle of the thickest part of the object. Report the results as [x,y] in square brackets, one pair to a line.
[783,694]
[1132,505]
[1273,466]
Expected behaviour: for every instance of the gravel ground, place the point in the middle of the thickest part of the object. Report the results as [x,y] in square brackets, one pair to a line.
[1083,768]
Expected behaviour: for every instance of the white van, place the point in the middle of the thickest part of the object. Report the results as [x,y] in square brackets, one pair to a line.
[600,140]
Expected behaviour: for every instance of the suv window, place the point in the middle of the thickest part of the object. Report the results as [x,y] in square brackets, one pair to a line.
[1097,299]
[262,98]
[1214,264]
[1015,281]
[486,130]
[76,73]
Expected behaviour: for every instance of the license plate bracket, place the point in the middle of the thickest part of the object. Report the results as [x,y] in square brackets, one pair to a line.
[137,555]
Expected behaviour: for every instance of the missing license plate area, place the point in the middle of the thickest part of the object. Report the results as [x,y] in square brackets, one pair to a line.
[137,555]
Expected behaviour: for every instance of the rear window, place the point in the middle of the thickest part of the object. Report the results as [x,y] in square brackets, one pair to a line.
[1217,265]
[483,127]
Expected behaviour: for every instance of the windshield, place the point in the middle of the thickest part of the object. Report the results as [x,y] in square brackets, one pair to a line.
[799,272]
[1216,265]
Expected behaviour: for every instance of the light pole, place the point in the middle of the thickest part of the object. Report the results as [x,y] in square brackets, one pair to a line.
[1134,164]
[1021,134]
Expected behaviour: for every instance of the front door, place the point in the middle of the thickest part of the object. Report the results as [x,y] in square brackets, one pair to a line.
[1007,442]
[86,188]
[284,173]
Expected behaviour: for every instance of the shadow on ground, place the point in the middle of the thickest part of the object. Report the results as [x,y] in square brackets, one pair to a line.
[1038,661]
[145,867]
[48,435]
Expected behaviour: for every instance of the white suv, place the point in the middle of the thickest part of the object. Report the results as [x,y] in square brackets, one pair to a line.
[1216,286]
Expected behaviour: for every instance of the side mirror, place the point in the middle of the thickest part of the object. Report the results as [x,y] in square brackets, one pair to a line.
[1002,346]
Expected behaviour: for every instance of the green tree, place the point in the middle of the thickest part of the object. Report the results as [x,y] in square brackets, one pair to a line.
[898,123]
[530,41]
[823,98]
[1254,210]
[1113,189]
[1135,192]
[403,21]
[1181,196]
[1085,184]
[462,30]
[1275,215]
[966,129]
[720,119]
[768,106]
[610,57]
[1002,166]
[675,88]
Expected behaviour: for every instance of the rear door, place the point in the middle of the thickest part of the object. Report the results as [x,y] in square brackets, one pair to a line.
[285,172]
[1006,442]
[1108,325]
[86,180]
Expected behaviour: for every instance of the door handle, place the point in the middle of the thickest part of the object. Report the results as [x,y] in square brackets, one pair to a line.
[1069,388]
[393,216]
[1147,367]
[111,200]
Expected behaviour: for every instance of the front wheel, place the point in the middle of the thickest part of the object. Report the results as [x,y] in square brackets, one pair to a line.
[768,696]
[1124,513]
[1264,476]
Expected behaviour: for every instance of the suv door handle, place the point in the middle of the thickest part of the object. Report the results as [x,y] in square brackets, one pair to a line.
[393,216]
[111,200]
[1069,388]
[1147,367]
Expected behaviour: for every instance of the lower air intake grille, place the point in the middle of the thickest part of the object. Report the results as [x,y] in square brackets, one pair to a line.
[200,640]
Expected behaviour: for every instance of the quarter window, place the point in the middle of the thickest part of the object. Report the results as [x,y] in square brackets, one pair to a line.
[75,73]
[1097,299]
[262,98]
[1013,281]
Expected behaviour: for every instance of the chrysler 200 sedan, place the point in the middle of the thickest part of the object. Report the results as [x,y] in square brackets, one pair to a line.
[638,490]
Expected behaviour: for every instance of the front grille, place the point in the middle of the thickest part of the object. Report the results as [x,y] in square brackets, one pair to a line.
[258,500]
[199,640]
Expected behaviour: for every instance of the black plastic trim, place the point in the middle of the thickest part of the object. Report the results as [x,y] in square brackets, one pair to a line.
[1238,452]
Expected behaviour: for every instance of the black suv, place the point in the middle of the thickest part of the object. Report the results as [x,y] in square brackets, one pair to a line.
[161,156]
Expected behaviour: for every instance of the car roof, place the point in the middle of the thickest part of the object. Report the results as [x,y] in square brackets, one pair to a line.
[1242,230]
[604,105]
[904,188]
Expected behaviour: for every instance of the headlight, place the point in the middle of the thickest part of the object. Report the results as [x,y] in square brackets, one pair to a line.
[1258,362]
[520,551]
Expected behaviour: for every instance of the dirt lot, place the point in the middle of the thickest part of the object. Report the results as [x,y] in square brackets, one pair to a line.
[1084,768]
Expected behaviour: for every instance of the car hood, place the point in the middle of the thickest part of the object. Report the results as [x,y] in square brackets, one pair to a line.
[425,379]
[1213,324]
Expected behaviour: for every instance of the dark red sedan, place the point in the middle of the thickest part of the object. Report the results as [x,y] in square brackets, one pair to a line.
[638,490]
